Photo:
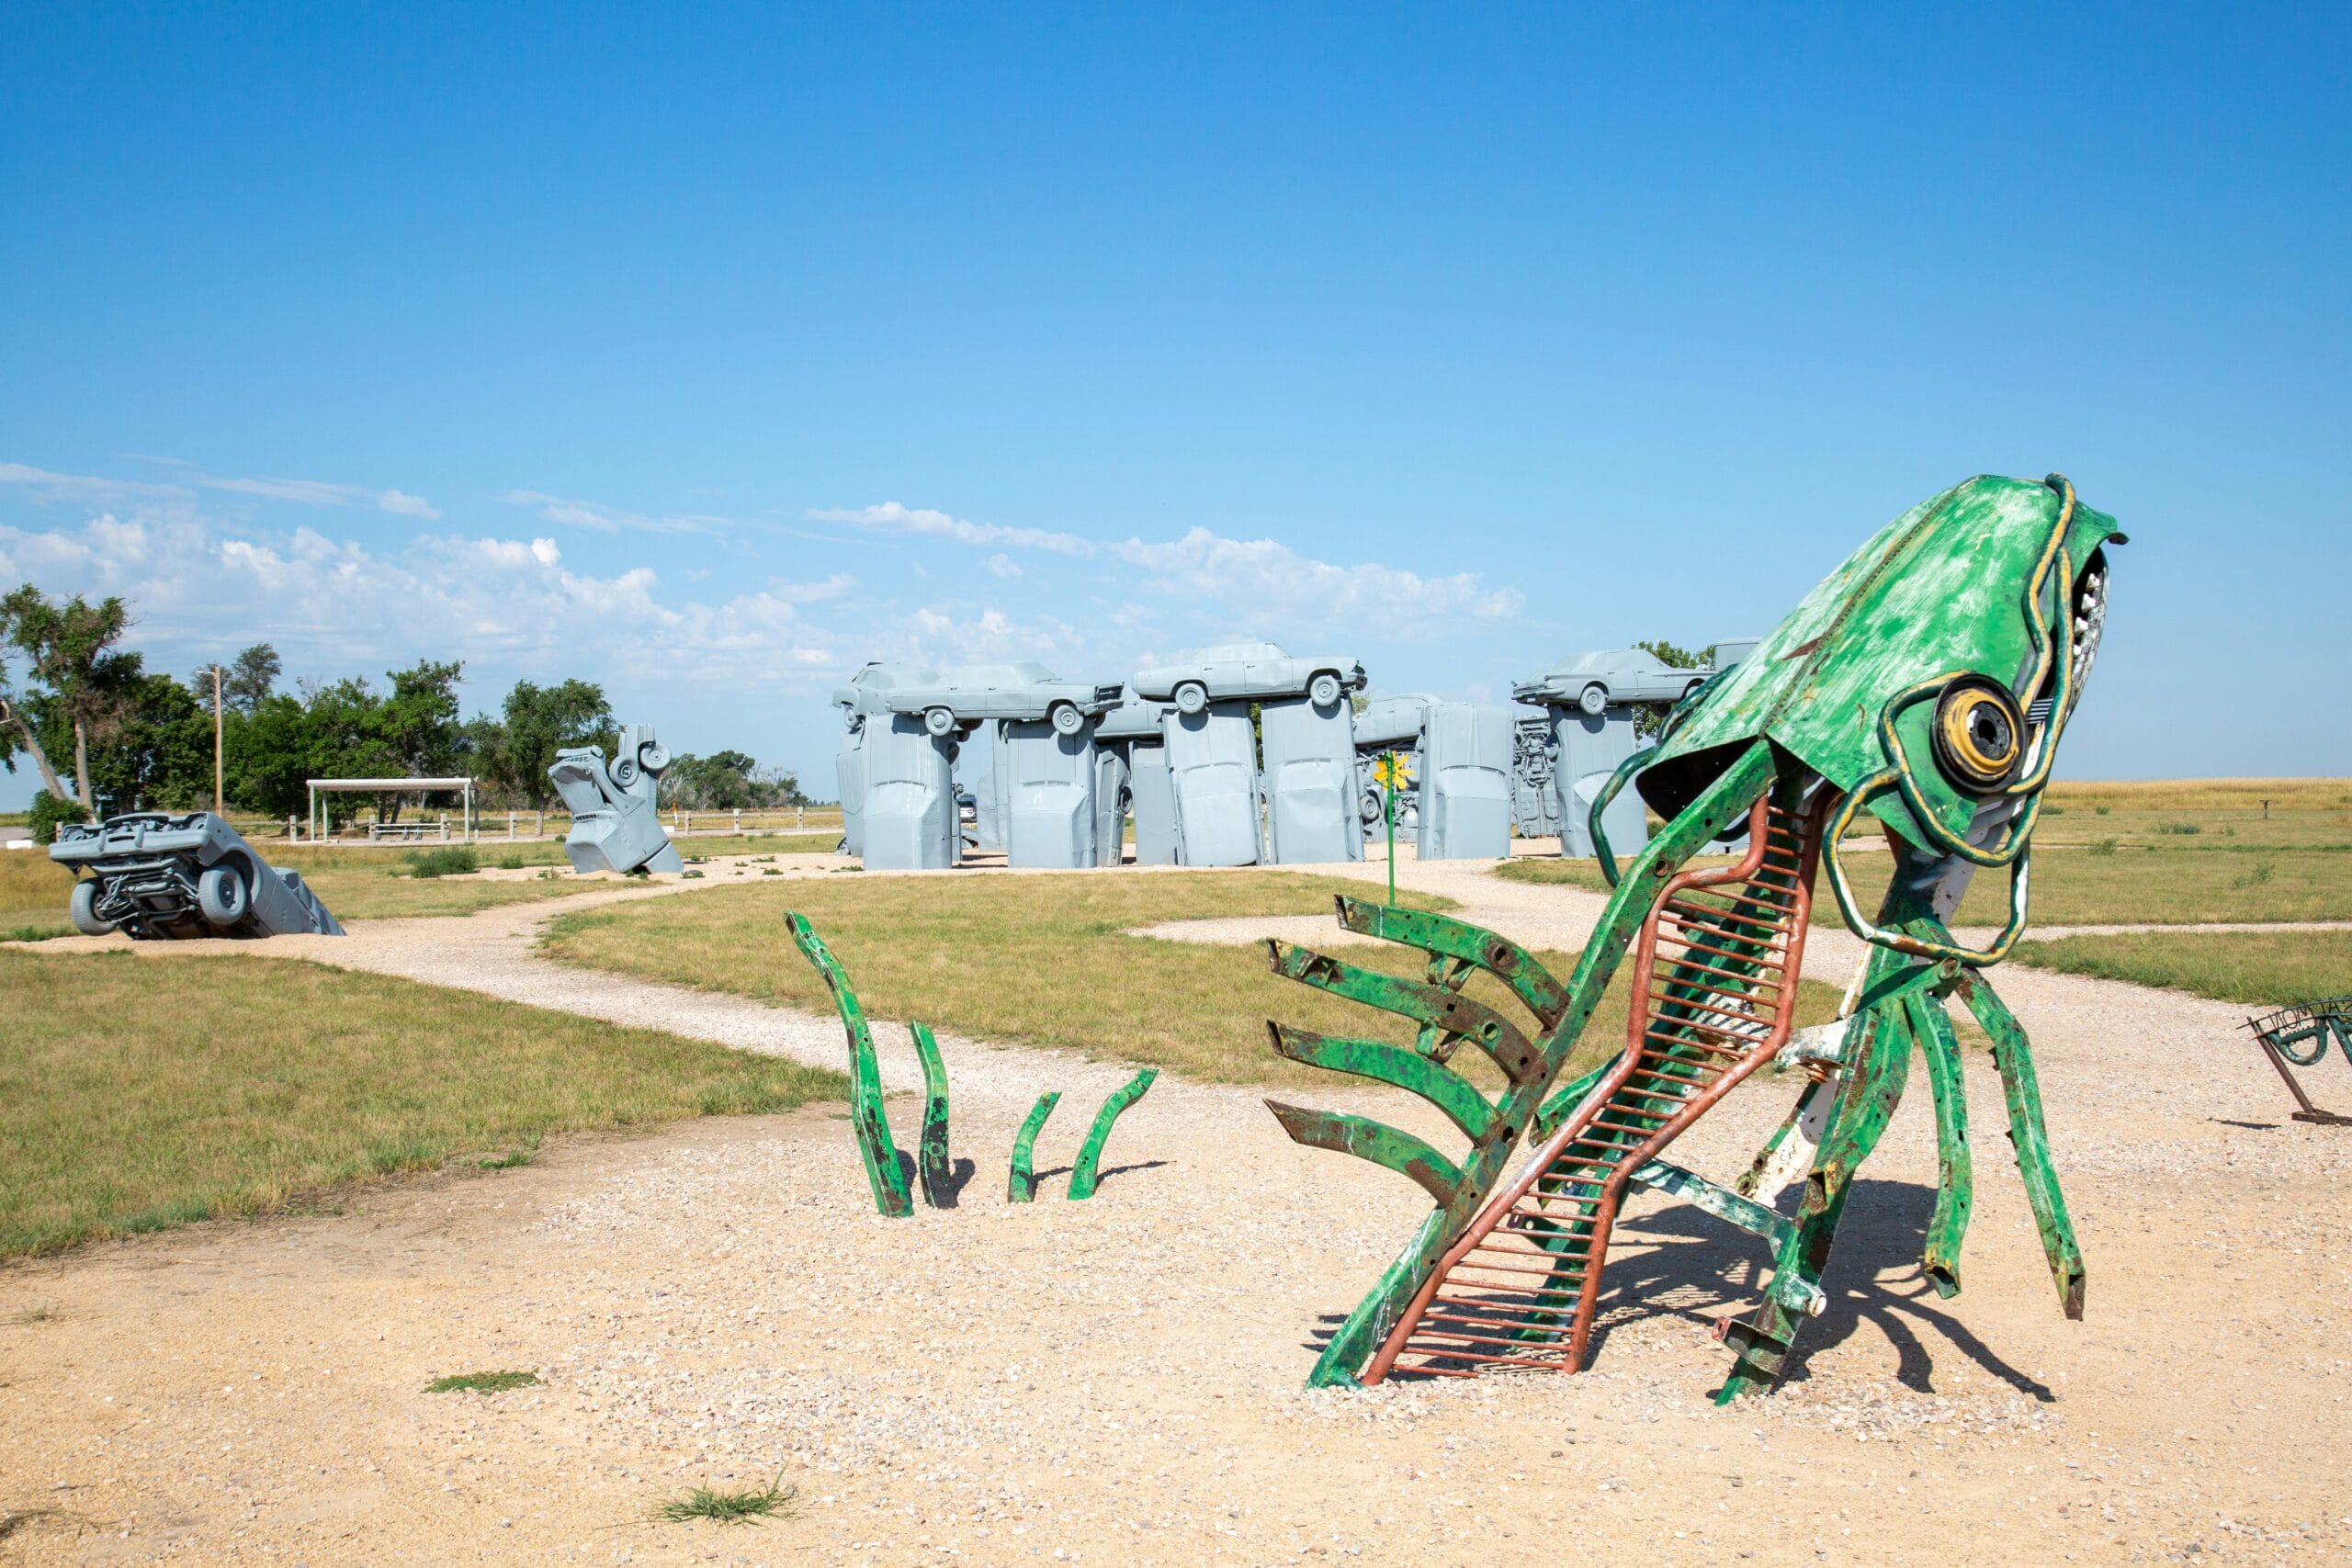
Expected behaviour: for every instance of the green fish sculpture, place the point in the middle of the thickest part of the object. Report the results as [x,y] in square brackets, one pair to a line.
[1927,682]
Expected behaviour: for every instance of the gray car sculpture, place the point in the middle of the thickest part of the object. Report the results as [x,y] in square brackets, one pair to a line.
[980,692]
[152,875]
[1242,670]
[616,819]
[1614,676]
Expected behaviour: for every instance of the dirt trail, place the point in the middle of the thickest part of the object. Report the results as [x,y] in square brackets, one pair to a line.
[1117,1381]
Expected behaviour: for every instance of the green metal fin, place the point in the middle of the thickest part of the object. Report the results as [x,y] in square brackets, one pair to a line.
[1434,1006]
[867,1118]
[1441,1086]
[1367,1139]
[1082,1176]
[1498,956]
[931,1164]
[1022,1186]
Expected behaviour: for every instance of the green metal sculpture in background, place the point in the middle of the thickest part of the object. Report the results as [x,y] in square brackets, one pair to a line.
[1928,683]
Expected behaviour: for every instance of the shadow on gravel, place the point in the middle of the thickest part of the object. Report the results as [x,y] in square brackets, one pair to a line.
[1680,1263]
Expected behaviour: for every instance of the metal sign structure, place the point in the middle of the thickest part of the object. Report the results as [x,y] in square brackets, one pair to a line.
[1927,682]
[2299,1035]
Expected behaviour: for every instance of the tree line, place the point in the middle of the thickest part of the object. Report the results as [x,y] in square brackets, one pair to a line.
[107,735]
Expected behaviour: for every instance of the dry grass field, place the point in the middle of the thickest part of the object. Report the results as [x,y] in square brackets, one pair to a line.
[133,1097]
[1042,960]
[2256,968]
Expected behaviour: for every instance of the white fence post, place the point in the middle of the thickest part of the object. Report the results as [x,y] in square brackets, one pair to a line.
[510,826]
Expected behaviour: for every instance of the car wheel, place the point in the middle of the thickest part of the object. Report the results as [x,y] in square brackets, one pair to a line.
[939,721]
[625,772]
[1067,719]
[1593,699]
[1324,690]
[85,909]
[220,895]
[1691,690]
[1192,697]
[653,759]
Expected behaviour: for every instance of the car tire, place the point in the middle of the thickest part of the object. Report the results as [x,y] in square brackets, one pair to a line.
[221,897]
[1691,690]
[1192,697]
[1594,699]
[653,759]
[1324,690]
[625,772]
[939,721]
[84,909]
[1066,718]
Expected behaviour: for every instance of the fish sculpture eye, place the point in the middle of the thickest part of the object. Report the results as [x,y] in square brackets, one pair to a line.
[1978,735]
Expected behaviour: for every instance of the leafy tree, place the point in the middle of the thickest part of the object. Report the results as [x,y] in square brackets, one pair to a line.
[48,813]
[159,755]
[539,721]
[250,678]
[70,648]
[16,729]
[728,781]
[1650,720]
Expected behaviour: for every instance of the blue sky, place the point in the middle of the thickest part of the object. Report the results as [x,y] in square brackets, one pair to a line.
[709,352]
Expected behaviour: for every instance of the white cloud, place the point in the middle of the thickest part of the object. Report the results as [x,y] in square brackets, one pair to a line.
[1001,566]
[322,493]
[1278,588]
[612,519]
[331,605]
[402,503]
[46,486]
[890,517]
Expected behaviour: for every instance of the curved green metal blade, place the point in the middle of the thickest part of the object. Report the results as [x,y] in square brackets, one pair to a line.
[1400,1152]
[1022,1186]
[1441,1086]
[1498,956]
[931,1164]
[867,1118]
[1432,1005]
[1082,1176]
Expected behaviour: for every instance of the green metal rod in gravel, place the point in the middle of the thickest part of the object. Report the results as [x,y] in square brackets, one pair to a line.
[871,1123]
[1022,1186]
[931,1164]
[1082,1176]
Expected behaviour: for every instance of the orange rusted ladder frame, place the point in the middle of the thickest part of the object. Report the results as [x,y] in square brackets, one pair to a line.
[1778,960]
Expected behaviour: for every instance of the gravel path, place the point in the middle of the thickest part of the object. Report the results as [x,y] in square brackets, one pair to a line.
[1117,1381]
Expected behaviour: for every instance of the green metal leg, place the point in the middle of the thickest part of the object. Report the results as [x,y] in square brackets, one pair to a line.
[1955,1190]
[1870,1091]
[867,1117]
[1082,1176]
[1022,1186]
[931,1164]
[2014,1056]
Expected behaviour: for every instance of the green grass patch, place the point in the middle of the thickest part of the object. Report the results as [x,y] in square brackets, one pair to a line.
[1039,960]
[2252,967]
[758,1506]
[482,1383]
[141,1093]
[2106,881]
[450,860]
